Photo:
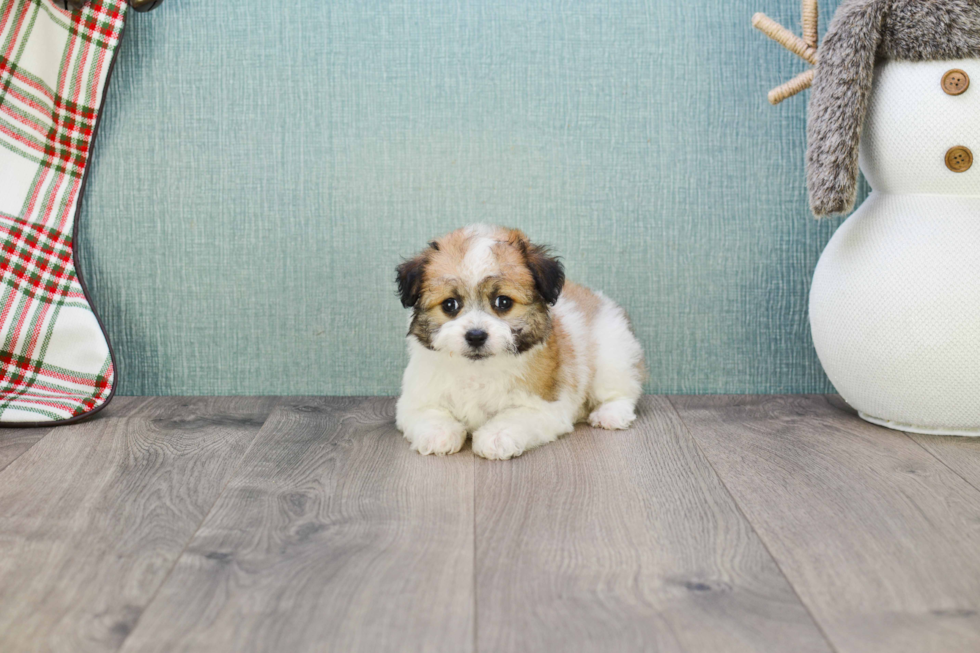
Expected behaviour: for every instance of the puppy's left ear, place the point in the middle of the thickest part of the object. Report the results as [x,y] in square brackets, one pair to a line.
[409,276]
[547,270]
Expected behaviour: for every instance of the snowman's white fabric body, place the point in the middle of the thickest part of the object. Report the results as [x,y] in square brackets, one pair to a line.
[895,300]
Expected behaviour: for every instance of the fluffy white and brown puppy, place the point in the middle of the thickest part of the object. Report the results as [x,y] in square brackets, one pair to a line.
[502,347]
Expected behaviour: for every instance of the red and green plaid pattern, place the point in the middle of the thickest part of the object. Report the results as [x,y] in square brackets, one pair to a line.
[55,362]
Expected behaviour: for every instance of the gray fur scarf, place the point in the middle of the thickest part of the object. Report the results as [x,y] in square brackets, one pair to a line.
[861,33]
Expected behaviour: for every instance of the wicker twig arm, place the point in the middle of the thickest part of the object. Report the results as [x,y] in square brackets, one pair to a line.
[805,48]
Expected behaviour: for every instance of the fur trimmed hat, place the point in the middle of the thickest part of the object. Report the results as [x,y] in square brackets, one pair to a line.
[862,33]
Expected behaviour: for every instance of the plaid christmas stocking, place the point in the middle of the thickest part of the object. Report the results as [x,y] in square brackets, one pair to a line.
[55,361]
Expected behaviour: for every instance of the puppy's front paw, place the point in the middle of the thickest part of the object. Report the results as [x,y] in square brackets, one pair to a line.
[613,415]
[499,441]
[440,437]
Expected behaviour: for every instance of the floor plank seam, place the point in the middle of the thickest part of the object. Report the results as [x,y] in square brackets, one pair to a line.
[163,582]
[17,457]
[941,461]
[476,612]
[762,541]
[912,437]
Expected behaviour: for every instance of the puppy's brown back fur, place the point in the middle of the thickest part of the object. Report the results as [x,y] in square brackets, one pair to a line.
[546,375]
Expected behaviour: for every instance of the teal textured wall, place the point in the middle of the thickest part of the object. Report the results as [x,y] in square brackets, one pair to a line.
[261,170]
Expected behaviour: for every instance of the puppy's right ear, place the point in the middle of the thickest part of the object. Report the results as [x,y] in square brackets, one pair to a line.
[409,277]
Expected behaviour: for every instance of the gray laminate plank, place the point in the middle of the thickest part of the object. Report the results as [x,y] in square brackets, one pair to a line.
[959,453]
[625,541]
[878,537]
[333,536]
[15,441]
[172,407]
[93,516]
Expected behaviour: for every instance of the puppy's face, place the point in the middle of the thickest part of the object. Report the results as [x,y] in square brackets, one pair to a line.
[481,291]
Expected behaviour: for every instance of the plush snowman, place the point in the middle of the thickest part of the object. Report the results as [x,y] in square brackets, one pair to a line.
[895,299]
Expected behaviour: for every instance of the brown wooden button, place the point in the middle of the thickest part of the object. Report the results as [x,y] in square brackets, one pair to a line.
[959,158]
[955,82]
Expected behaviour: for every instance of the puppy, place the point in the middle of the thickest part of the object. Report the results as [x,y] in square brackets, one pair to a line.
[502,347]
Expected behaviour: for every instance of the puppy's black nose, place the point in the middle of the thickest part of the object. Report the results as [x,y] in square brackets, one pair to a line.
[476,337]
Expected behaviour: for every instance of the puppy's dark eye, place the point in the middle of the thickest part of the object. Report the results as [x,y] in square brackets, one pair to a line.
[450,306]
[502,303]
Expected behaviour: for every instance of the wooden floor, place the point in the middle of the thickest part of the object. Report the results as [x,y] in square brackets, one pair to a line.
[294,524]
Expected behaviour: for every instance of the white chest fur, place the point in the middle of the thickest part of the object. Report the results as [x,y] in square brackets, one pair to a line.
[473,392]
